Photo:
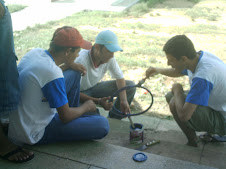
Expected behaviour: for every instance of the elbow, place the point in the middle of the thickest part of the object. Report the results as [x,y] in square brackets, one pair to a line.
[64,119]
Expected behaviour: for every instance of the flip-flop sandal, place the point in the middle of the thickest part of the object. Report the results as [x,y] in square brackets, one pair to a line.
[206,137]
[219,138]
[17,150]
[212,138]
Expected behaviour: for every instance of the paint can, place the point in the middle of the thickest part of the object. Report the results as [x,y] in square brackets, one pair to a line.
[137,134]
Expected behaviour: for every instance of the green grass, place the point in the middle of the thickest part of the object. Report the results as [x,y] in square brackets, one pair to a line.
[211,14]
[141,41]
[15,7]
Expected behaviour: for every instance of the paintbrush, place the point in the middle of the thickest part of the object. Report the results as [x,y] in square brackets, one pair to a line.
[141,82]
[131,122]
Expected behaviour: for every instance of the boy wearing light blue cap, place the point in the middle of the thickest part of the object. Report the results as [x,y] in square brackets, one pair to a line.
[97,61]
[109,40]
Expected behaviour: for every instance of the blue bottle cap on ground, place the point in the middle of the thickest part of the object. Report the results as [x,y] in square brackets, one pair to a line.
[139,157]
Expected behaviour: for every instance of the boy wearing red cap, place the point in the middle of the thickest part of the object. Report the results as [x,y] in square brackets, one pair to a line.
[49,108]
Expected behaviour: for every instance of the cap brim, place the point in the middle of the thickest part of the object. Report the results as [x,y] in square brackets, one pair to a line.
[113,48]
[86,45]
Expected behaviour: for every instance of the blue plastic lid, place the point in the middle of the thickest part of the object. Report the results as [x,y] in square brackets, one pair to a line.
[139,157]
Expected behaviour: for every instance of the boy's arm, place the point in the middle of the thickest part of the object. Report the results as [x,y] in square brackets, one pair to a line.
[2,11]
[67,114]
[171,72]
[100,101]
[75,66]
[184,109]
[124,105]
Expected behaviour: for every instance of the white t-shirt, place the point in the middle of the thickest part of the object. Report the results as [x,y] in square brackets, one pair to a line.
[208,83]
[42,91]
[94,75]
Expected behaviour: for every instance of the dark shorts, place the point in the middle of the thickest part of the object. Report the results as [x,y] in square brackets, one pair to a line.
[205,119]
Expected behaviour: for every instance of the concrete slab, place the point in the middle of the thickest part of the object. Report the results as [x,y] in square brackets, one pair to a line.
[47,161]
[171,136]
[150,123]
[214,154]
[110,156]
[166,125]
[176,151]
[94,167]
[32,15]
[172,141]
[44,11]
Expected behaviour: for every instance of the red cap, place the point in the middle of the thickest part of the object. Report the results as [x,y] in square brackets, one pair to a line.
[70,37]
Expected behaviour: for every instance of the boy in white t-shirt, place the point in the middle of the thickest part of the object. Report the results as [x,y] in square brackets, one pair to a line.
[97,62]
[203,108]
[49,108]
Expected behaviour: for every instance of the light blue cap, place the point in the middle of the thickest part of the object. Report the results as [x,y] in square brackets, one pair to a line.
[109,40]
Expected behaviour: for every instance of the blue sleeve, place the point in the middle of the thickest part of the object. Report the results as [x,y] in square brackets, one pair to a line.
[200,92]
[55,93]
[184,72]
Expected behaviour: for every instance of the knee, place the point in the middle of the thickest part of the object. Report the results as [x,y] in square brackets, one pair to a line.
[129,82]
[76,75]
[72,74]
[172,107]
[103,127]
[131,90]
[168,97]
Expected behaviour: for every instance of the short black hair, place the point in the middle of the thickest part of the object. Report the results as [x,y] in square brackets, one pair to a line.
[57,48]
[178,46]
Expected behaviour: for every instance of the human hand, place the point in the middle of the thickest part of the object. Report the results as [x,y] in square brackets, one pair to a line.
[151,71]
[89,106]
[104,103]
[124,107]
[79,67]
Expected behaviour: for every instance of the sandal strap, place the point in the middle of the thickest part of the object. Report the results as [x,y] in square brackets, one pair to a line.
[9,154]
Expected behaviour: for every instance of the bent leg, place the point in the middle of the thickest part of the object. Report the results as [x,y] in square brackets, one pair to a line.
[189,132]
[72,83]
[82,128]
[108,88]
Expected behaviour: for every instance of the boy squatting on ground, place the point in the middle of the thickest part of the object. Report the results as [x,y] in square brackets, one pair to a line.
[94,65]
[9,88]
[203,108]
[49,108]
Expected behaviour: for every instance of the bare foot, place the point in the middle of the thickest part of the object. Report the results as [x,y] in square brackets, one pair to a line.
[17,155]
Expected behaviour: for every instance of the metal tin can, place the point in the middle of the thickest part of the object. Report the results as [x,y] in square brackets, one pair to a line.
[137,134]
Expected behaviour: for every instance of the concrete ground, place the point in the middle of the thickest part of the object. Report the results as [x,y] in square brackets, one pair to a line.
[115,150]
[172,141]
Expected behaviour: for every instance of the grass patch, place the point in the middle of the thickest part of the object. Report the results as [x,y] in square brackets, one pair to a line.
[15,7]
[141,41]
[211,14]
